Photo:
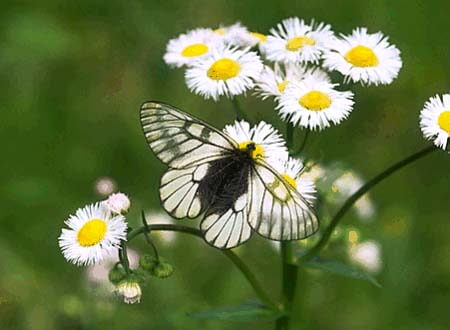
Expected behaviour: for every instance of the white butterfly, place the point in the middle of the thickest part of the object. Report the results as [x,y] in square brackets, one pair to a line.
[212,175]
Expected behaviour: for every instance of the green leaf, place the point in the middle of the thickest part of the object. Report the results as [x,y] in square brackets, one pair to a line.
[337,267]
[250,311]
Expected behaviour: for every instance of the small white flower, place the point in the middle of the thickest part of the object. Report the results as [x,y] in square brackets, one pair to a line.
[314,104]
[227,71]
[435,120]
[364,57]
[295,41]
[269,144]
[189,47]
[236,34]
[130,291]
[274,82]
[118,203]
[367,255]
[292,171]
[93,234]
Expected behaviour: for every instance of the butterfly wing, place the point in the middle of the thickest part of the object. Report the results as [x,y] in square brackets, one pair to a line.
[275,209]
[226,230]
[179,140]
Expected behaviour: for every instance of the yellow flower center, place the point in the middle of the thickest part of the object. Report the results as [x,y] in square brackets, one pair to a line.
[256,151]
[315,101]
[224,69]
[289,180]
[298,42]
[194,50]
[220,31]
[260,36]
[282,86]
[444,121]
[92,232]
[362,56]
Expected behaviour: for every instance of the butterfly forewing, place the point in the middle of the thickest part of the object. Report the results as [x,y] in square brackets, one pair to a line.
[276,210]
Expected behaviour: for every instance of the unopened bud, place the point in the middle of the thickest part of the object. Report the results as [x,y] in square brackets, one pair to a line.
[162,270]
[118,203]
[147,262]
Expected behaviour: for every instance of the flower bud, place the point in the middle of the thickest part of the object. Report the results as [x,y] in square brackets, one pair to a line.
[147,262]
[130,291]
[118,203]
[162,270]
[116,274]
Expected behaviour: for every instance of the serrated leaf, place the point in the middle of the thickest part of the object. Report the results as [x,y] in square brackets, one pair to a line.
[340,268]
[251,311]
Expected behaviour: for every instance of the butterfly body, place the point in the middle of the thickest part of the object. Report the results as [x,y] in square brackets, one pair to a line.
[225,182]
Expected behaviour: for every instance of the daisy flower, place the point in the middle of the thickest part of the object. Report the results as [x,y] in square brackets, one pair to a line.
[364,57]
[295,41]
[93,234]
[228,71]
[269,144]
[190,46]
[273,82]
[435,120]
[314,104]
[236,34]
[291,170]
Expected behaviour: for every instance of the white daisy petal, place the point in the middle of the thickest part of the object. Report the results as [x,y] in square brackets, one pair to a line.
[227,71]
[364,57]
[268,141]
[93,234]
[435,120]
[235,35]
[273,82]
[292,171]
[190,46]
[295,41]
[314,104]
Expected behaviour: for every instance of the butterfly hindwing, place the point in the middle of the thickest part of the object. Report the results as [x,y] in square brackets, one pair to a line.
[276,210]
[229,229]
[179,140]
[178,191]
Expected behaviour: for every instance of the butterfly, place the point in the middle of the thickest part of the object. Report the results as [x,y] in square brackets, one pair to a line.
[225,182]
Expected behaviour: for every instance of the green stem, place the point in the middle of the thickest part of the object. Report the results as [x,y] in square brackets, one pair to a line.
[289,135]
[240,114]
[359,193]
[230,254]
[123,257]
[289,271]
[302,147]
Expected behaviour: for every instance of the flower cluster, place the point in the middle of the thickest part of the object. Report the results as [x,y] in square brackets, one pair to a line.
[229,61]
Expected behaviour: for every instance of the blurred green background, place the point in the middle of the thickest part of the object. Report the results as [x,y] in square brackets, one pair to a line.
[73,75]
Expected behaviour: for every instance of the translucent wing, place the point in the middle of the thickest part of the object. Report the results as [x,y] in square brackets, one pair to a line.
[229,229]
[276,210]
[179,140]
[178,191]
